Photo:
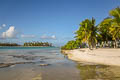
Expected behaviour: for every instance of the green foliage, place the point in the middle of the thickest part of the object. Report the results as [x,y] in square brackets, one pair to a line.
[115,26]
[70,45]
[87,32]
[37,44]
[9,44]
[104,28]
[90,34]
[109,28]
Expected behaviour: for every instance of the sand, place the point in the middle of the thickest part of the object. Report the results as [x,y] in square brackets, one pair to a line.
[100,56]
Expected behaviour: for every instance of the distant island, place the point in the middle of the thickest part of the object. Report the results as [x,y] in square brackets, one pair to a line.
[28,44]
[9,44]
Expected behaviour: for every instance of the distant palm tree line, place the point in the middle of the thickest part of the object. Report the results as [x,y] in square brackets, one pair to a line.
[105,34]
[37,44]
[9,44]
[27,44]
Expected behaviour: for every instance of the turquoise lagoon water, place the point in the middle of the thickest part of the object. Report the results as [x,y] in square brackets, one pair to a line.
[47,63]
[26,47]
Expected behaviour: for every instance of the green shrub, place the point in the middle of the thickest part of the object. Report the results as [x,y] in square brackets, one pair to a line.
[70,45]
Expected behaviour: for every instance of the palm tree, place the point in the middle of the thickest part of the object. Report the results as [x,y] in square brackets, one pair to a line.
[93,34]
[104,28]
[115,27]
[87,33]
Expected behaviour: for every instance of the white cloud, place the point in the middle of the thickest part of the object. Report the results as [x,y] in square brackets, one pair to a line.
[53,37]
[48,37]
[27,36]
[2,26]
[10,33]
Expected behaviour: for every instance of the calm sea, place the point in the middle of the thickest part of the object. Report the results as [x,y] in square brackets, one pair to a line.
[47,63]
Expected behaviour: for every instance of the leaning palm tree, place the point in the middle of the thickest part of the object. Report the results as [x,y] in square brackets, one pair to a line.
[82,32]
[87,33]
[115,27]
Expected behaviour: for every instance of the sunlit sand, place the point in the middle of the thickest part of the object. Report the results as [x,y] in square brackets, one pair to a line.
[100,56]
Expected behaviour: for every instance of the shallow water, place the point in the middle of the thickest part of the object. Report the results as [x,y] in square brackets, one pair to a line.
[57,66]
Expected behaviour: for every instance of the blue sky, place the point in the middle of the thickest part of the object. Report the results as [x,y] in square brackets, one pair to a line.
[48,20]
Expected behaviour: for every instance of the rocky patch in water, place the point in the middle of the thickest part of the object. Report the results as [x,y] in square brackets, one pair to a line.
[44,64]
[2,65]
[30,57]
[26,57]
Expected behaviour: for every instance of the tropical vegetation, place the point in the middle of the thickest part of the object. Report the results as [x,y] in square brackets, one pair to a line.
[43,44]
[105,34]
[71,45]
[37,44]
[9,44]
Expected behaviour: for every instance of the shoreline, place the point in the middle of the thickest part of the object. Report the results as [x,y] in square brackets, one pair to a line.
[104,56]
[26,46]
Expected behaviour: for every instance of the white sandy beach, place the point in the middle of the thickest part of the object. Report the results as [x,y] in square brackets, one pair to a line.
[100,56]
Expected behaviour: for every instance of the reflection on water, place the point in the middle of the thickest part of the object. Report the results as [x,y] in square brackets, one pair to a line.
[38,77]
[59,68]
[90,71]
[99,72]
